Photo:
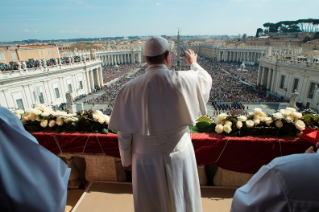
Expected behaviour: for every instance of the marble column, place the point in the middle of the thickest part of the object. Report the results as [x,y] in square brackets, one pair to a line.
[269,78]
[88,81]
[100,76]
[97,77]
[125,58]
[91,80]
[262,76]
[259,76]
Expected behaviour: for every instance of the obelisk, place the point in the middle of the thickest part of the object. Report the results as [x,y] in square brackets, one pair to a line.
[178,65]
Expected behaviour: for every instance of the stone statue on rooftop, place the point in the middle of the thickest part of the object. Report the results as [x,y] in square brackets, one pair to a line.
[293,99]
[69,99]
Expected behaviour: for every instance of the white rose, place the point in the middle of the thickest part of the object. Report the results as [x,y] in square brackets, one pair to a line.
[98,112]
[44,123]
[228,123]
[26,117]
[291,109]
[222,116]
[218,120]
[256,121]
[297,115]
[107,119]
[285,112]
[227,128]
[249,123]
[239,124]
[96,117]
[289,119]
[257,111]
[279,124]
[268,121]
[262,114]
[242,118]
[219,128]
[37,112]
[101,119]
[59,121]
[33,117]
[300,125]
[69,120]
[51,123]
[278,116]
[45,114]
[262,119]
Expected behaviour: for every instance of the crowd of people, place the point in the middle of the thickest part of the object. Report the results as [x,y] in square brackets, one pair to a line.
[38,63]
[111,72]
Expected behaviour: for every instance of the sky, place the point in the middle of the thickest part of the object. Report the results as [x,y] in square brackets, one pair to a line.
[63,19]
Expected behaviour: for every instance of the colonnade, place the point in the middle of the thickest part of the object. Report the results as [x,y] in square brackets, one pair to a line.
[94,78]
[266,78]
[120,58]
[239,56]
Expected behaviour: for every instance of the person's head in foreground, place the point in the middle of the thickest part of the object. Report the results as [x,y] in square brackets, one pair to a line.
[288,183]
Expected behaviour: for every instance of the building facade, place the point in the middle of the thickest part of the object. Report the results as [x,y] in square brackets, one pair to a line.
[28,52]
[25,88]
[283,77]
[241,53]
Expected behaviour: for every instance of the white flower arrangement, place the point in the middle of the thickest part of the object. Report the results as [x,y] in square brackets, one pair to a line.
[249,123]
[98,116]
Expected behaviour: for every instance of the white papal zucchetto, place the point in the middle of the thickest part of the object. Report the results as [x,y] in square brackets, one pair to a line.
[155,45]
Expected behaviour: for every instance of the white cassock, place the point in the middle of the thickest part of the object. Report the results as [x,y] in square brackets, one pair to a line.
[289,183]
[152,114]
[31,177]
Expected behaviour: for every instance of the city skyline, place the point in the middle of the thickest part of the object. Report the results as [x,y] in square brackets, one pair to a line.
[46,20]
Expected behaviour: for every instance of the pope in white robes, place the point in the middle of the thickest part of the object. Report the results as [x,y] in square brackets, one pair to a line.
[152,114]
[31,177]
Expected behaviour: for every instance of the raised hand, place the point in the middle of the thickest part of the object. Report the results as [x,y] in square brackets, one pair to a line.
[191,57]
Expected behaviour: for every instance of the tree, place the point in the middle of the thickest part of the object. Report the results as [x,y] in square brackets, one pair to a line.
[316,36]
[244,36]
[266,31]
[258,32]
[307,38]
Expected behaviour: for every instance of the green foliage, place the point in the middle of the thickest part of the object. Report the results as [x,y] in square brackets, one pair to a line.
[311,120]
[307,38]
[316,36]
[205,126]
[258,32]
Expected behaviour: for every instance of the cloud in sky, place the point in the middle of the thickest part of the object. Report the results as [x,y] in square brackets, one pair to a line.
[158,3]
[29,30]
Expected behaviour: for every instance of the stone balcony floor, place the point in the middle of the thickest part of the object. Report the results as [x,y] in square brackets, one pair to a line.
[118,197]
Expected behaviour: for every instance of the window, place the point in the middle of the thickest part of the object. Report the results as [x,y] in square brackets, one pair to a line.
[49,53]
[282,82]
[81,86]
[42,53]
[55,52]
[41,100]
[311,90]
[295,87]
[70,88]
[20,104]
[57,94]
[1,57]
[14,56]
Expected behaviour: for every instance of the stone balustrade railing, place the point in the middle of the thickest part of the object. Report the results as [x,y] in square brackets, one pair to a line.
[290,62]
[41,69]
